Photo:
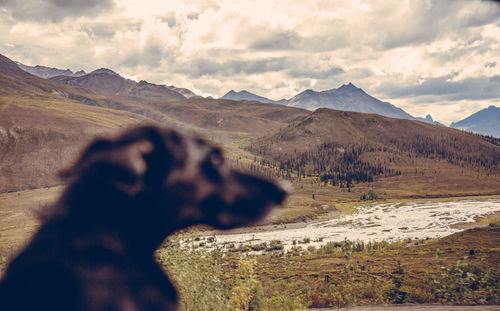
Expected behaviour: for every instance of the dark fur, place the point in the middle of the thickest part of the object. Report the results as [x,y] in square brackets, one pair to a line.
[94,251]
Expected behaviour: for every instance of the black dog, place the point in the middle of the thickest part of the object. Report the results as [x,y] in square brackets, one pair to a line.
[124,196]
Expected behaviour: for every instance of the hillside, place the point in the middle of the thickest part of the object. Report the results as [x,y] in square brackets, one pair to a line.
[342,149]
[43,124]
[39,116]
[107,89]
[485,122]
[396,156]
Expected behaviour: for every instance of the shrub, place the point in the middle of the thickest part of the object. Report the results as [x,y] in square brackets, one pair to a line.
[370,195]
[259,247]
[203,285]
[196,274]
[329,248]
[466,282]
[396,294]
[305,241]
[280,301]
[247,294]
[275,245]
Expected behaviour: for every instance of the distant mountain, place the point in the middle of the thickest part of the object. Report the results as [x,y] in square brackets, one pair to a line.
[428,119]
[347,98]
[105,84]
[47,72]
[186,92]
[108,82]
[245,95]
[105,70]
[485,122]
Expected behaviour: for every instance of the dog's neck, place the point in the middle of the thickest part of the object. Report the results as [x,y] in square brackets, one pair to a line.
[128,219]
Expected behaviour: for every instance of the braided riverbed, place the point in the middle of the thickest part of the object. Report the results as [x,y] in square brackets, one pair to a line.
[388,221]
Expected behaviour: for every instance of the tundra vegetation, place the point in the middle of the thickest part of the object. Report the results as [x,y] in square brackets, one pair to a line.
[458,269]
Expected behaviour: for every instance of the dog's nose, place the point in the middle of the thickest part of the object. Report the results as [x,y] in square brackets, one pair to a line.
[286,186]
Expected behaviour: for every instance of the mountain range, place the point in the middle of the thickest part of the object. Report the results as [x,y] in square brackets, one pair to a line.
[44,122]
[106,81]
[347,97]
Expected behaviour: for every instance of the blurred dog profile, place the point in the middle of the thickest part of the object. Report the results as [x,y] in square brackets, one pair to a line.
[125,195]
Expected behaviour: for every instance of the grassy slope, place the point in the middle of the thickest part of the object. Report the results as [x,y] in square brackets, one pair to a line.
[18,216]
[43,124]
[394,142]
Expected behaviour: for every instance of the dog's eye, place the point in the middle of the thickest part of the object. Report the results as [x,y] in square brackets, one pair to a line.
[200,141]
[175,138]
[216,158]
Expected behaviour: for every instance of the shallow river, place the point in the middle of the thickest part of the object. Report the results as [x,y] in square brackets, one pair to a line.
[390,221]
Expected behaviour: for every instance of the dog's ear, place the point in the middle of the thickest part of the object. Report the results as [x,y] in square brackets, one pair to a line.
[133,156]
[113,162]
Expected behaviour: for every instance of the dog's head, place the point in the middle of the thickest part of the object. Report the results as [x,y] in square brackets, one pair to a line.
[176,178]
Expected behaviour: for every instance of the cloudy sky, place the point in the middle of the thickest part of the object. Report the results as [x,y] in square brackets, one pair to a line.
[440,57]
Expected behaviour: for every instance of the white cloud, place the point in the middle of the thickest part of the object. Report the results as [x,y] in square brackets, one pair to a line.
[398,51]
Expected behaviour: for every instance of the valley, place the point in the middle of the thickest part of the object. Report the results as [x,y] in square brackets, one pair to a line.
[332,158]
[343,166]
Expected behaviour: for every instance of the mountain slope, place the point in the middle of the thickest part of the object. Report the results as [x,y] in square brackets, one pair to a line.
[485,122]
[43,124]
[185,92]
[145,99]
[105,81]
[400,157]
[39,117]
[106,85]
[245,95]
[236,117]
[47,72]
[347,98]
[396,156]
